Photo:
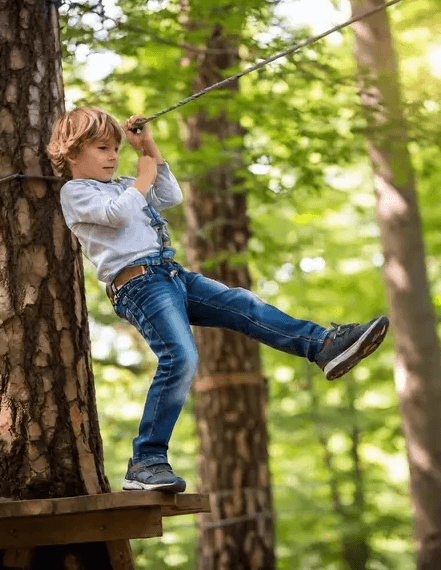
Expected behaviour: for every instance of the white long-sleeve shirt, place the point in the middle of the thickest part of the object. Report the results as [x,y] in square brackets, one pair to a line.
[111,219]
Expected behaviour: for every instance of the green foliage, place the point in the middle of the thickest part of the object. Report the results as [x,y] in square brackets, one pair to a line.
[337,453]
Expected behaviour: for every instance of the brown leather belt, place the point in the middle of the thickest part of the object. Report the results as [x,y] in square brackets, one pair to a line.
[124,276]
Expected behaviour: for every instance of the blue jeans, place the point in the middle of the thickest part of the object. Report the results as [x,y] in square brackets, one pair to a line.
[162,304]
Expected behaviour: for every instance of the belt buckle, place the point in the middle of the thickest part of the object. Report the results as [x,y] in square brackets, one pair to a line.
[114,289]
[113,293]
[110,292]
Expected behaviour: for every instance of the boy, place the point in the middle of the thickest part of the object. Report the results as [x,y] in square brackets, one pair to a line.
[118,225]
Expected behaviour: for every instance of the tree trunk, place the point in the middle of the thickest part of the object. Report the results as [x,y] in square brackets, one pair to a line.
[417,373]
[50,444]
[230,392]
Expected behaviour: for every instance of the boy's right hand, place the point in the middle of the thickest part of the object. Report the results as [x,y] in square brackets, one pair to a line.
[147,172]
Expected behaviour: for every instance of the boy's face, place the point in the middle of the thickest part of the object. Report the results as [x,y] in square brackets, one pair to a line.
[97,160]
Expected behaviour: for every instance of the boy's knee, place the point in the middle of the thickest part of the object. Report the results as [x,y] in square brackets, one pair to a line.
[187,361]
[193,360]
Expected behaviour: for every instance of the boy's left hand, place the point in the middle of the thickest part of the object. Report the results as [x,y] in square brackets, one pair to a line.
[139,141]
[142,142]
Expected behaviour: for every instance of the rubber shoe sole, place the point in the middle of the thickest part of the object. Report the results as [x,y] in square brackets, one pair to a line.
[363,347]
[164,487]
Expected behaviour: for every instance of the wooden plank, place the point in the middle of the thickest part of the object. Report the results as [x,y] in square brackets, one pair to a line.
[173,504]
[120,555]
[186,503]
[25,532]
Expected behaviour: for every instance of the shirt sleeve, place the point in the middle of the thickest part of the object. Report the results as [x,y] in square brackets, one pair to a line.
[84,202]
[165,192]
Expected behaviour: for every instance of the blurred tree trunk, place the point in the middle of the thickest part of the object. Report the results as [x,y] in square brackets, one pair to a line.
[50,444]
[417,373]
[230,392]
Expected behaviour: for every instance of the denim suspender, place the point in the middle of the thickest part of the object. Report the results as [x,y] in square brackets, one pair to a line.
[160,224]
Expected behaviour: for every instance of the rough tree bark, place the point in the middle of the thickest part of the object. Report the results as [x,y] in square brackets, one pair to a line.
[417,361]
[230,392]
[50,445]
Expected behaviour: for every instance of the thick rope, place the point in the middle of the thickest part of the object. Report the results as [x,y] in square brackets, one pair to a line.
[138,124]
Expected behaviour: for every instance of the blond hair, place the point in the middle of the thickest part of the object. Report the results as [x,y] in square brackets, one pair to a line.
[75,128]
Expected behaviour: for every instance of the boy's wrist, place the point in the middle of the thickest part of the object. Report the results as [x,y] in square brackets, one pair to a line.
[149,147]
[142,184]
[153,153]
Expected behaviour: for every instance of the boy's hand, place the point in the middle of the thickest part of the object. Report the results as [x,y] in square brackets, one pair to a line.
[142,142]
[147,172]
[137,140]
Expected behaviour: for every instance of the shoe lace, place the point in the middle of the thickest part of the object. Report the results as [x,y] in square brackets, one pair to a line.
[339,330]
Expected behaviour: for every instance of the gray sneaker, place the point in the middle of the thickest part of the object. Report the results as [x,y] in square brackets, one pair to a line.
[158,477]
[346,345]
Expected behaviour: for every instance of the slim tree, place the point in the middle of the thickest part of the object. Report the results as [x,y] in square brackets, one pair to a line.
[417,360]
[50,445]
[230,391]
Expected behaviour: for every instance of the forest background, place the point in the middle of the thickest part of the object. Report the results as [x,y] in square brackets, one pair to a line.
[314,250]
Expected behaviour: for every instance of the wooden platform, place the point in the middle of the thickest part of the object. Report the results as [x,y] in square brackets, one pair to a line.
[90,518]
